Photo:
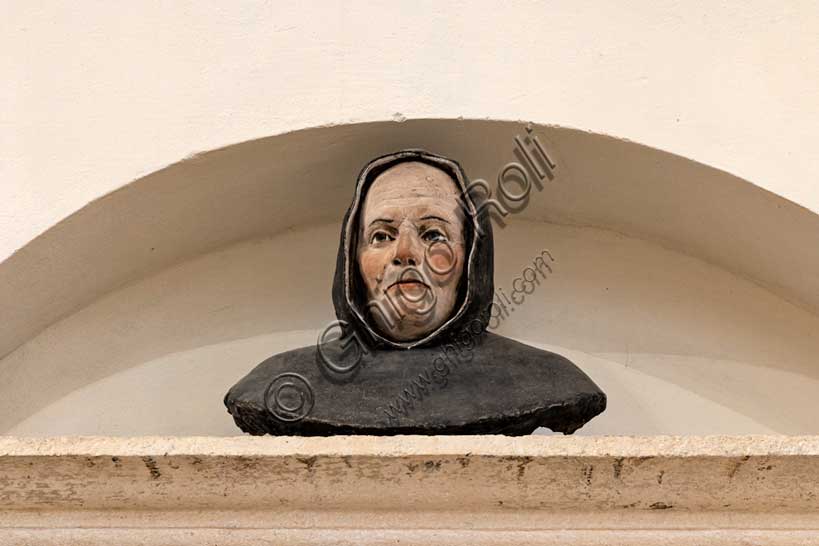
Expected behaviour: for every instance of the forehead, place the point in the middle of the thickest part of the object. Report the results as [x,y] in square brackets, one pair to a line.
[412,183]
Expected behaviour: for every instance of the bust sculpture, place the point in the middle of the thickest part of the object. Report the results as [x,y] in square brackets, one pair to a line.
[413,292]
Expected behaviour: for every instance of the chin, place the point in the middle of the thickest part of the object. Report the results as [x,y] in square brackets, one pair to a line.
[412,328]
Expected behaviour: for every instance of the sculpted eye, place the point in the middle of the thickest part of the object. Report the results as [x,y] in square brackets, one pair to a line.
[381,237]
[433,235]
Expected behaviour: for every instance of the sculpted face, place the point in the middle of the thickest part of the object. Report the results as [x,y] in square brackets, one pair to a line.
[411,249]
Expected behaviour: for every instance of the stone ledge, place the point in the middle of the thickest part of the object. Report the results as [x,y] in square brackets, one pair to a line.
[450,490]
[394,446]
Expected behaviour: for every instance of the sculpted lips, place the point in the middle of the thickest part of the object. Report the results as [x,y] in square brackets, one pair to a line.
[412,289]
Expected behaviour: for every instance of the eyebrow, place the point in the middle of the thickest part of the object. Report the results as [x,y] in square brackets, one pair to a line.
[382,220]
[433,217]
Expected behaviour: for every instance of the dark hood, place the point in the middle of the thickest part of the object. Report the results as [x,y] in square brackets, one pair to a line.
[476,287]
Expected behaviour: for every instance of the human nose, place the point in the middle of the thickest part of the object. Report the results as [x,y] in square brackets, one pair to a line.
[407,250]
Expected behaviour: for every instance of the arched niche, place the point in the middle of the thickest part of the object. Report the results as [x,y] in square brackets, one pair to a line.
[690,295]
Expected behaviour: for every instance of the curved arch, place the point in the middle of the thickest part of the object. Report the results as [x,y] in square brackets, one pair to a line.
[263,187]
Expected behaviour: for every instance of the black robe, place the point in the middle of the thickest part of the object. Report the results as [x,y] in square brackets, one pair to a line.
[459,379]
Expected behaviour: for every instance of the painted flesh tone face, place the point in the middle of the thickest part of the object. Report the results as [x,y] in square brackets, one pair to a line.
[411,249]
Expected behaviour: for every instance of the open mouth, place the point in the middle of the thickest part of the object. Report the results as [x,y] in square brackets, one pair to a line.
[409,283]
[412,289]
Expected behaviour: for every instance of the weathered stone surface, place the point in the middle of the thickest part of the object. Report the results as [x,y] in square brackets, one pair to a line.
[499,387]
[410,489]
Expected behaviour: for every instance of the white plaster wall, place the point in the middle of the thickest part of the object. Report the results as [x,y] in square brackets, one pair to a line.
[96,94]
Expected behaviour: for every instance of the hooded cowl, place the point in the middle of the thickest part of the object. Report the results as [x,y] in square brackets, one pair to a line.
[476,287]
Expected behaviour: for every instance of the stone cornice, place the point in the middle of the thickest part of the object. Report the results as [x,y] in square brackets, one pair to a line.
[453,490]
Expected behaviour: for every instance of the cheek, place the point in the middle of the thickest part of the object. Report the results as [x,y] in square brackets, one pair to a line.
[441,263]
[445,260]
[447,267]
[370,263]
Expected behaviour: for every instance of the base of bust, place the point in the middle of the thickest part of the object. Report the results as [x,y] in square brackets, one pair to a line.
[565,418]
[494,386]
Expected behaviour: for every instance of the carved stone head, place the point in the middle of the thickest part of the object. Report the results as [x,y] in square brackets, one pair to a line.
[410,251]
[415,257]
